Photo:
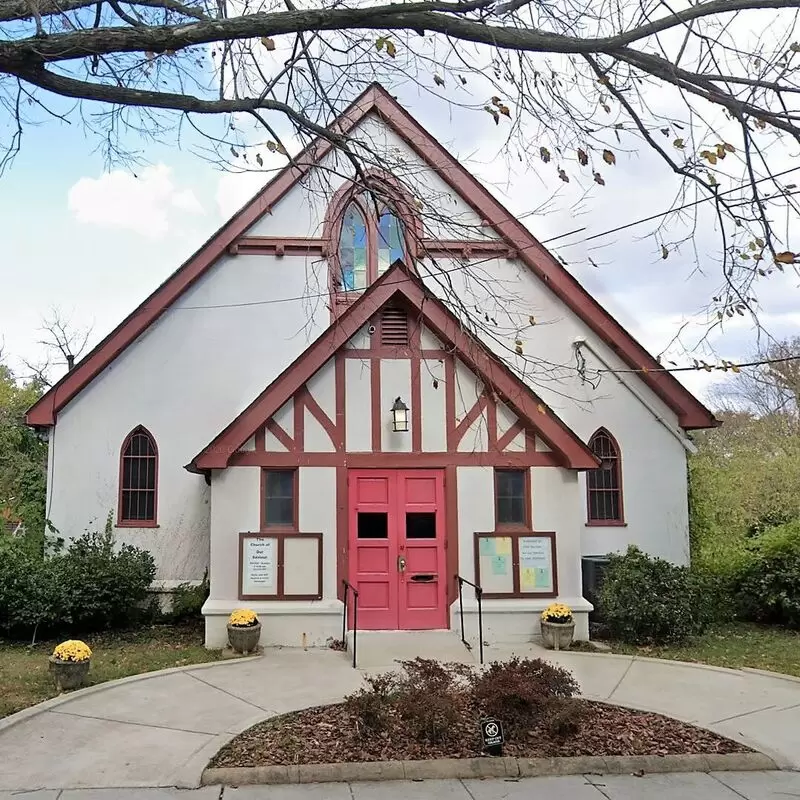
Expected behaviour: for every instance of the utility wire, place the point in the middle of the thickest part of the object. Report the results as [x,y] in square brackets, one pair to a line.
[702,366]
[659,215]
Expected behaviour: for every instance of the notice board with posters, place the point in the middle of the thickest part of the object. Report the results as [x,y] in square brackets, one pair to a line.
[516,563]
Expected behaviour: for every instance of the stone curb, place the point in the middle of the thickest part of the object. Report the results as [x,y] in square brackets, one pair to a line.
[509,767]
[781,676]
[68,697]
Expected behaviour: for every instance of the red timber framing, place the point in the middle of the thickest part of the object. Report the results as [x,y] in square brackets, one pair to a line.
[399,288]
[512,235]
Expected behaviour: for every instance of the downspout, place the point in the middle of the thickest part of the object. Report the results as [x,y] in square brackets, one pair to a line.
[687,445]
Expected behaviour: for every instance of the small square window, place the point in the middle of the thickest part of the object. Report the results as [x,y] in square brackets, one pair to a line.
[279,499]
[510,497]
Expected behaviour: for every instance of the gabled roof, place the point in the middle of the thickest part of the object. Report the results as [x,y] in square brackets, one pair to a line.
[691,413]
[400,283]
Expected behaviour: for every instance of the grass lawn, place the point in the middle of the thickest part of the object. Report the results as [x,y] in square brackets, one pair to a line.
[25,680]
[735,645]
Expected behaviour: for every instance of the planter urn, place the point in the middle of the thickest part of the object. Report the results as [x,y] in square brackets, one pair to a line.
[69,674]
[244,639]
[557,635]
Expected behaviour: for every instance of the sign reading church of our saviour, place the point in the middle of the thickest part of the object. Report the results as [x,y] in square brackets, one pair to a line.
[520,563]
[280,566]
[259,566]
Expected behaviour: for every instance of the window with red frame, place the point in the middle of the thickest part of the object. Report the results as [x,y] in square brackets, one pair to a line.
[368,244]
[604,484]
[138,479]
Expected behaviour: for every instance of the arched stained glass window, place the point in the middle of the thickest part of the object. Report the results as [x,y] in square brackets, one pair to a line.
[390,240]
[353,252]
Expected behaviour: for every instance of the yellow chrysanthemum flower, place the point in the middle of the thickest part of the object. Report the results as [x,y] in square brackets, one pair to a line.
[557,612]
[243,618]
[72,650]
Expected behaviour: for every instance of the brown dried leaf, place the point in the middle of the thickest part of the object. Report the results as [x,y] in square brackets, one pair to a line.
[391,50]
[563,175]
[583,158]
[664,252]
[709,156]
[268,43]
[787,257]
[609,157]
[598,178]
[679,143]
[438,80]
[544,154]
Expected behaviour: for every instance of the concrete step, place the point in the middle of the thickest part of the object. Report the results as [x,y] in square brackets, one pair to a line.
[381,650]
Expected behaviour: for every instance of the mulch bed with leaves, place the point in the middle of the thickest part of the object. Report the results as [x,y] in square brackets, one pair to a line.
[330,734]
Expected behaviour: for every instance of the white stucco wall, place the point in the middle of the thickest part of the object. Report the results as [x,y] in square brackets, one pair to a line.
[185,379]
[199,365]
[555,507]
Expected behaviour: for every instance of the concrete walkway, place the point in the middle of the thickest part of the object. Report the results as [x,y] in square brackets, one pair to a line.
[161,730]
[686,786]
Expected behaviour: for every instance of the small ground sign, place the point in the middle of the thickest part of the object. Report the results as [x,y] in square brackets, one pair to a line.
[492,736]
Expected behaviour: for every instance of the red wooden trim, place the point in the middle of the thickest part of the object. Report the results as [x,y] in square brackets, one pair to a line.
[280,566]
[375,403]
[470,417]
[280,434]
[137,523]
[515,536]
[394,352]
[263,524]
[260,438]
[465,248]
[416,405]
[299,419]
[450,403]
[505,440]
[491,423]
[340,379]
[342,539]
[527,522]
[607,523]
[391,460]
[277,245]
[572,452]
[451,531]
[691,413]
[320,416]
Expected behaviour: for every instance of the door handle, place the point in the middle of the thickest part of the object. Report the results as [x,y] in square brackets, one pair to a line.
[401,564]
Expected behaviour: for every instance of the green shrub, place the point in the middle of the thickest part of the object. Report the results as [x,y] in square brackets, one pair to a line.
[90,585]
[768,584]
[648,600]
[188,599]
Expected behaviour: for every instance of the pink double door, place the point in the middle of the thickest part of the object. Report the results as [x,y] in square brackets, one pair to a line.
[397,548]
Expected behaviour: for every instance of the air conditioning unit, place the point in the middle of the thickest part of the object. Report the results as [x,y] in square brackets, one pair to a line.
[593,570]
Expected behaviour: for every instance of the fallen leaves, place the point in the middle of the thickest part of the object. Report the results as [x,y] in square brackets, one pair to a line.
[328,734]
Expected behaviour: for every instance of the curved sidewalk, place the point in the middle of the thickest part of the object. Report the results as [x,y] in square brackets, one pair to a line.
[161,729]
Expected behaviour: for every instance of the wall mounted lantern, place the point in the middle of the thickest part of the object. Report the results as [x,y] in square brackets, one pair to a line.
[399,415]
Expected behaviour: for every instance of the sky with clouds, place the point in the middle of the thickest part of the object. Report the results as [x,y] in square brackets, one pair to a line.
[94,243]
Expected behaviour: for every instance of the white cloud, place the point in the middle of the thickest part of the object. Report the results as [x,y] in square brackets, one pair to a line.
[146,204]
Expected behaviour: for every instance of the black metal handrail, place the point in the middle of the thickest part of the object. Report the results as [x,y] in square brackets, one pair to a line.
[478,596]
[348,587]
